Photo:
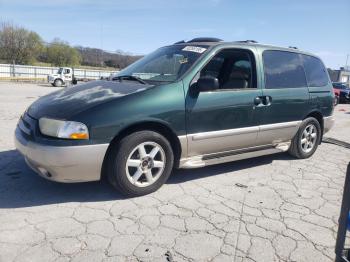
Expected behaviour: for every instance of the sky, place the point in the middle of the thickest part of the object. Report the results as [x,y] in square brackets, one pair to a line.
[318,26]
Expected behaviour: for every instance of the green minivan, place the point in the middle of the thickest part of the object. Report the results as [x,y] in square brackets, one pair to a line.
[187,105]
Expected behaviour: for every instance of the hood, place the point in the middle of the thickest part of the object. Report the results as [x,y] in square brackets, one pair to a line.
[72,100]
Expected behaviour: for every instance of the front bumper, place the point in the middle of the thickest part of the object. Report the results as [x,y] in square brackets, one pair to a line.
[51,79]
[63,163]
[328,123]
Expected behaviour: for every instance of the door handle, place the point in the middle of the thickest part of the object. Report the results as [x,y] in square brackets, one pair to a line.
[260,101]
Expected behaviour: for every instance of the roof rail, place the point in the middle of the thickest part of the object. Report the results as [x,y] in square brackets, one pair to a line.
[292,47]
[248,41]
[205,39]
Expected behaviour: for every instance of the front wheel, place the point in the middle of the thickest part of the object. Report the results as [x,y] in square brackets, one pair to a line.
[58,83]
[140,163]
[307,139]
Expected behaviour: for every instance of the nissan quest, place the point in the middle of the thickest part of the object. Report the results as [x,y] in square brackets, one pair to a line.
[186,105]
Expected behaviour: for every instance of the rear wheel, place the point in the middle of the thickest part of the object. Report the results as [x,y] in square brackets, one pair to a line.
[307,139]
[336,100]
[140,163]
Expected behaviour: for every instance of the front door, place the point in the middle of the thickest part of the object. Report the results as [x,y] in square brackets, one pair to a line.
[224,119]
[67,75]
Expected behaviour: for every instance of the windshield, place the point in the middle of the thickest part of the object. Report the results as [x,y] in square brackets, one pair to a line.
[60,70]
[166,64]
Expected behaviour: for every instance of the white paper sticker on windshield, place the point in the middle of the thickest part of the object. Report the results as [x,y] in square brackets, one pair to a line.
[195,49]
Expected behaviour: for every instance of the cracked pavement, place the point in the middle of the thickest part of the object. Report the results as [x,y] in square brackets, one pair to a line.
[272,208]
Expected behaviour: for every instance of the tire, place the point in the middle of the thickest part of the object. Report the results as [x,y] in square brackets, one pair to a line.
[133,174]
[304,143]
[58,83]
[336,100]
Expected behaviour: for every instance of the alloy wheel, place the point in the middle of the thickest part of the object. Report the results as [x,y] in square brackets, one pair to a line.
[308,138]
[145,164]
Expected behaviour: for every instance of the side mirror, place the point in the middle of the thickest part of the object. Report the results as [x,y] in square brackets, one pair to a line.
[207,83]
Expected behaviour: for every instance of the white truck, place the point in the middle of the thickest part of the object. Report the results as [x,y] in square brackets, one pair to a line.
[66,76]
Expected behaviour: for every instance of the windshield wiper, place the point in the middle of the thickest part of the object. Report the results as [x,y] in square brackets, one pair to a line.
[129,77]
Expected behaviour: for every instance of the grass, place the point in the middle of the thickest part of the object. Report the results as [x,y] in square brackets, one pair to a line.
[24,79]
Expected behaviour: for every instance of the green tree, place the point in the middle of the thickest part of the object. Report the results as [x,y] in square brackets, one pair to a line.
[59,53]
[19,45]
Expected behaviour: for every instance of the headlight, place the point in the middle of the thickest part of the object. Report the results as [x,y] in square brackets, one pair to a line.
[63,129]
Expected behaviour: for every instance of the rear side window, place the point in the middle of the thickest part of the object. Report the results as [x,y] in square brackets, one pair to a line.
[283,70]
[316,73]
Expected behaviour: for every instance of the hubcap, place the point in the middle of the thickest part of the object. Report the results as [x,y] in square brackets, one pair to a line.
[145,164]
[308,138]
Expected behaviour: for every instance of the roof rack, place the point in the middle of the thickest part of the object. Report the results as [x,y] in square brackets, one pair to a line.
[293,47]
[205,39]
[180,42]
[247,41]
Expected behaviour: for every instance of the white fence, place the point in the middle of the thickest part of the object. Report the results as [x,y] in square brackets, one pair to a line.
[40,72]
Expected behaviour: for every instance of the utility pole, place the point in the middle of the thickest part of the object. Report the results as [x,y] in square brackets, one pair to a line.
[346,64]
[101,39]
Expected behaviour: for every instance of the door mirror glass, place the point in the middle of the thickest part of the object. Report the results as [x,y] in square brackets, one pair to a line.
[207,83]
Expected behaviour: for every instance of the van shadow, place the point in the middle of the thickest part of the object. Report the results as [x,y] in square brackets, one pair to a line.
[22,187]
[183,175]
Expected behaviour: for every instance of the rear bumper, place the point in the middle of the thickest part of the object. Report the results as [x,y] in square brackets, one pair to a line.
[328,123]
[65,163]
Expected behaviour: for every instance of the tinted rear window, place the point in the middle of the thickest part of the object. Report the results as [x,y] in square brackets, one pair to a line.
[283,70]
[316,73]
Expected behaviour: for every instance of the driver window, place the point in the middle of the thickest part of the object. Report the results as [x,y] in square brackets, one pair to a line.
[235,69]
[67,71]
